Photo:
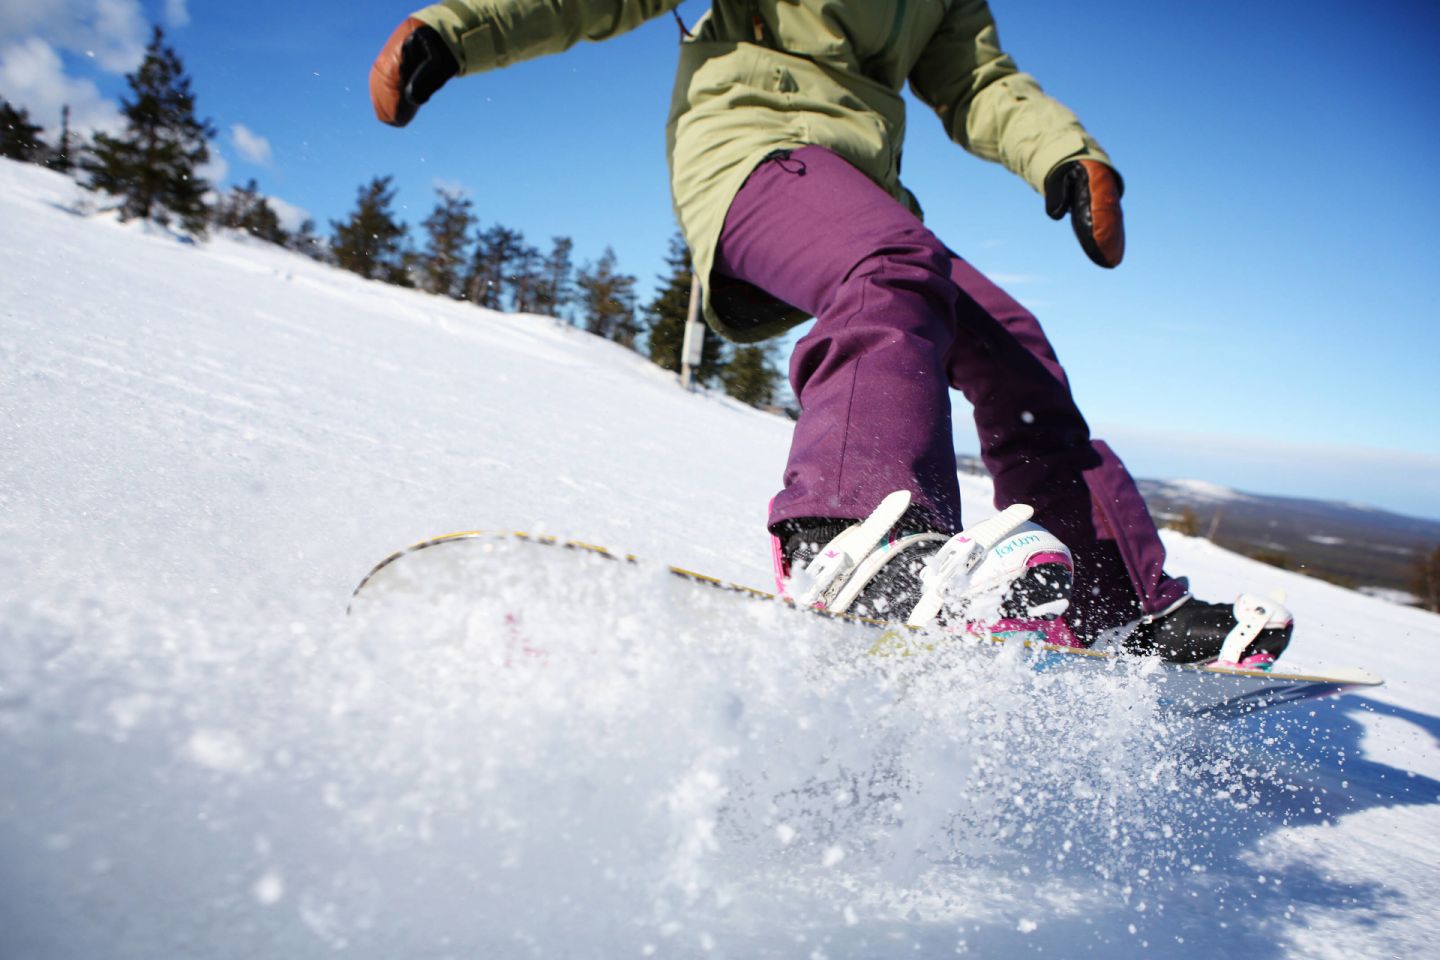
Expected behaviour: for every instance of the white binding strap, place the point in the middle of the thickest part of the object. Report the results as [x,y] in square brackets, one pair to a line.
[1252,615]
[872,564]
[827,572]
[951,568]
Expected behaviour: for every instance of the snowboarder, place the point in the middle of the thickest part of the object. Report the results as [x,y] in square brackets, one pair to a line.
[784,139]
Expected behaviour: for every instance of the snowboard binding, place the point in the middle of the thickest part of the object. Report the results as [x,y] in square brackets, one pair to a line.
[1003,577]
[1249,634]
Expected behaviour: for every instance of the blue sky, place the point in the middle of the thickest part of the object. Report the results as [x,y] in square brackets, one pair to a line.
[1273,326]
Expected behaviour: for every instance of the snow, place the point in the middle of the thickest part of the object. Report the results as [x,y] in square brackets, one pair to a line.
[1390,595]
[1202,490]
[206,446]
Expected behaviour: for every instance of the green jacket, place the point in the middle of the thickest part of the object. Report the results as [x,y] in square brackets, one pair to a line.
[757,76]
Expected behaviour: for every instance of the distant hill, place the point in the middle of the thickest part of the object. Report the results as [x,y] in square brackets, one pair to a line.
[1360,547]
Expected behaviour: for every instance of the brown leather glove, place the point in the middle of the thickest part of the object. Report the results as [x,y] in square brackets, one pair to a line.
[413,64]
[1090,192]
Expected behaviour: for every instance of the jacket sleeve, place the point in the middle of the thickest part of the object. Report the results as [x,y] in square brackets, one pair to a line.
[988,106]
[486,34]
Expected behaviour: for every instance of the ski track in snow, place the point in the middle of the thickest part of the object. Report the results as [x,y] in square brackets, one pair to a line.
[204,449]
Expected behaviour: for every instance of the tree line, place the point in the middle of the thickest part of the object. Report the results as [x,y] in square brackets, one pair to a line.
[152,172]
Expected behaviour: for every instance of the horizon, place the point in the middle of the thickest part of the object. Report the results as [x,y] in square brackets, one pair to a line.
[1257,488]
[1398,482]
[1265,320]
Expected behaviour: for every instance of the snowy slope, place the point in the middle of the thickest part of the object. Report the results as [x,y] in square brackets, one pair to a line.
[203,448]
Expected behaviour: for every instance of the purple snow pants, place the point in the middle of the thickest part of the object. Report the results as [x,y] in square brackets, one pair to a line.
[900,320]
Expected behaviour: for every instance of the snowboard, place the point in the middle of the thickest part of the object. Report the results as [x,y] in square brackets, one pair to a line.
[449,567]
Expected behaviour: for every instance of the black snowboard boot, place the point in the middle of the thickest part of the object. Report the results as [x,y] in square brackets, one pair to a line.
[1196,631]
[895,590]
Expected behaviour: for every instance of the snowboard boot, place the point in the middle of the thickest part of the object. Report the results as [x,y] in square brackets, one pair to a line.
[889,579]
[1015,583]
[1001,577]
[1249,634]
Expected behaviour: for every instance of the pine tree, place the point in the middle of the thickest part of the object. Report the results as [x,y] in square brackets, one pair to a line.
[372,242]
[62,160]
[608,298]
[305,240]
[495,249]
[556,288]
[408,268]
[667,314]
[244,208]
[19,138]
[751,376]
[526,279]
[447,231]
[1425,580]
[153,166]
